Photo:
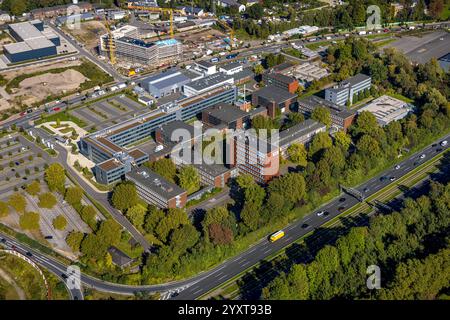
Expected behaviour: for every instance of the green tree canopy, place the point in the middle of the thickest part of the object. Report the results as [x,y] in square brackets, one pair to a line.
[322,115]
[60,222]
[165,168]
[124,196]
[33,188]
[47,200]
[4,209]
[298,154]
[29,221]
[18,202]
[55,177]
[73,195]
[189,179]
[74,240]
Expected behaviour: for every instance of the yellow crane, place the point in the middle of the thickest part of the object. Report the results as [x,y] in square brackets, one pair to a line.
[230,30]
[131,6]
[111,43]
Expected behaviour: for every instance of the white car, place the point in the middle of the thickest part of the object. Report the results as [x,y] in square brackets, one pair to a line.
[397,167]
[422,156]
[320,213]
[444,143]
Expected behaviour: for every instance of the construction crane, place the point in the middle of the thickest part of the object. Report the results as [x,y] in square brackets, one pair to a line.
[111,43]
[132,6]
[230,30]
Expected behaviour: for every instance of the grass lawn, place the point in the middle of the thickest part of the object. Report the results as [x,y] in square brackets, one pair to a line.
[400,97]
[62,116]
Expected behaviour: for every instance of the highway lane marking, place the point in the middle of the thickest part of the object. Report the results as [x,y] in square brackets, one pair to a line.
[199,290]
[246,263]
[222,277]
[220,273]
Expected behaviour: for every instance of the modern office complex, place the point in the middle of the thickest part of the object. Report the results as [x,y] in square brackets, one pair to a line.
[225,116]
[33,42]
[340,118]
[301,133]
[107,147]
[346,90]
[156,190]
[387,109]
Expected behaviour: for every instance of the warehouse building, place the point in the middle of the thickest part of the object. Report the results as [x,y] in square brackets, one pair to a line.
[387,109]
[165,83]
[155,190]
[207,84]
[345,90]
[33,42]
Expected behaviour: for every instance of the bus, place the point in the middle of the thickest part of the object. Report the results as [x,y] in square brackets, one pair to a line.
[277,235]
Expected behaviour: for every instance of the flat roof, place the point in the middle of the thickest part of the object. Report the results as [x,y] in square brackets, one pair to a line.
[299,130]
[156,183]
[25,30]
[281,77]
[231,66]
[136,42]
[137,153]
[315,101]
[204,63]
[226,112]
[110,164]
[209,81]
[386,108]
[168,128]
[273,93]
[166,80]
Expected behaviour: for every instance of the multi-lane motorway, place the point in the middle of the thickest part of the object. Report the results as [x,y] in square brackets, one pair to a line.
[195,287]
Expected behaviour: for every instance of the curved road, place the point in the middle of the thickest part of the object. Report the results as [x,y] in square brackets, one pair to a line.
[194,287]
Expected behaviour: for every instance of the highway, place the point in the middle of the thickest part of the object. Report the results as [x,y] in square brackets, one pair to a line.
[200,284]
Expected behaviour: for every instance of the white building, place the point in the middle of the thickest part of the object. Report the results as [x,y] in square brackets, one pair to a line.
[205,67]
[207,84]
[231,3]
[387,109]
[231,68]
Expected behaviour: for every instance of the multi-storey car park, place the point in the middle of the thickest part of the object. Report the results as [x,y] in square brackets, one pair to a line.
[107,147]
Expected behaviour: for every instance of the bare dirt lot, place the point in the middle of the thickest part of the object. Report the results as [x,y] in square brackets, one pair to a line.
[89,33]
[39,87]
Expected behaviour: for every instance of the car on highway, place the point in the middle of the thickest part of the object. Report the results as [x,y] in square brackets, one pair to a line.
[305,226]
[64,276]
[365,190]
[444,143]
[342,199]
[29,254]
[320,213]
[3,240]
[341,208]
[438,149]
[392,178]
[48,237]
[383,178]
[397,167]
[422,156]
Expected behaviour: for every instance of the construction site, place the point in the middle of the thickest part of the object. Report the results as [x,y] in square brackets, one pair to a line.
[152,37]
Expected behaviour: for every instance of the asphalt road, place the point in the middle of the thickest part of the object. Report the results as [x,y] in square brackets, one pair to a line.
[194,287]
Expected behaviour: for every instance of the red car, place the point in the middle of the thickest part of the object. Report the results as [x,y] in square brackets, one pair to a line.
[56,109]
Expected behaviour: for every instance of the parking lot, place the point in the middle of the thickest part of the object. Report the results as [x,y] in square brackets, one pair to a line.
[20,161]
[108,112]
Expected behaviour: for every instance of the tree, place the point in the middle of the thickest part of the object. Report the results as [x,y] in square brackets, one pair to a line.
[291,186]
[220,235]
[245,181]
[189,179]
[165,168]
[73,195]
[93,247]
[33,188]
[250,216]
[258,69]
[18,202]
[171,221]
[320,142]
[342,140]
[436,8]
[74,240]
[322,115]
[47,200]
[368,146]
[59,223]
[18,7]
[4,209]
[294,118]
[88,215]
[109,232]
[297,153]
[136,215]
[29,221]
[183,238]
[366,123]
[55,177]
[152,218]
[124,196]
[255,11]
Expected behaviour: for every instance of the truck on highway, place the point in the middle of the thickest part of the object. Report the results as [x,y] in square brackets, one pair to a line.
[362,33]
[276,236]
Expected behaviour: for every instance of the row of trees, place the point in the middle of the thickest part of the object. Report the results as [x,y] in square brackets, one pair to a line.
[411,248]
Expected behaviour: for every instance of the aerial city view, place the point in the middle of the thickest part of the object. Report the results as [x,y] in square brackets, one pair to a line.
[245,150]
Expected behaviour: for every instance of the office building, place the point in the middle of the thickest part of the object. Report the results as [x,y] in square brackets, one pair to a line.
[205,67]
[273,98]
[225,116]
[33,42]
[254,156]
[346,90]
[231,68]
[340,118]
[280,81]
[301,133]
[155,190]
[387,109]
